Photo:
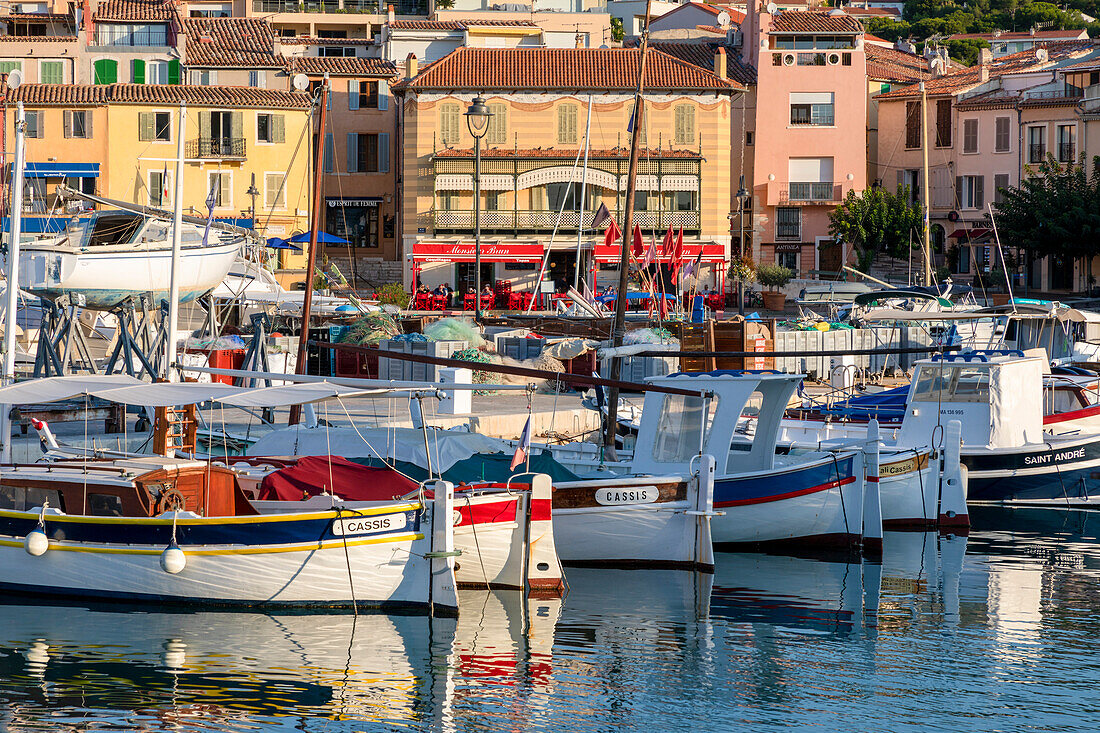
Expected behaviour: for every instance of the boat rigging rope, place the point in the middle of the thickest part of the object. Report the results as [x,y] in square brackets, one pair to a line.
[1058,471]
[356,429]
[920,479]
[843,507]
[477,545]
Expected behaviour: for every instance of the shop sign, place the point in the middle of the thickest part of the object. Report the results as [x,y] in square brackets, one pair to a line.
[464,252]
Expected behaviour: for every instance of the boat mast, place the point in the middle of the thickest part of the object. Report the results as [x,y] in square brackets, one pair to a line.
[924,150]
[580,205]
[311,258]
[619,324]
[177,233]
[13,272]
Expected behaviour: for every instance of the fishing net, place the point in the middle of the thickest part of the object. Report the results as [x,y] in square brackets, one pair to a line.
[650,336]
[455,329]
[371,329]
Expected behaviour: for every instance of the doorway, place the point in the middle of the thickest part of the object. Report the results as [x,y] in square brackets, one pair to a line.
[561,269]
[464,276]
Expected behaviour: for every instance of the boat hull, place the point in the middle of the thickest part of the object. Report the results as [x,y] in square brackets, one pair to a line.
[105,279]
[369,558]
[1056,473]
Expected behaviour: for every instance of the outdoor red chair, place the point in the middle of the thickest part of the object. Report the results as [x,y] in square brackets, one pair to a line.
[439,302]
[468,302]
[423,301]
[487,301]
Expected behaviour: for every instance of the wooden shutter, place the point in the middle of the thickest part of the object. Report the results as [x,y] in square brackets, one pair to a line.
[383,94]
[353,152]
[572,123]
[979,192]
[958,191]
[912,124]
[174,71]
[67,123]
[943,123]
[383,152]
[1000,182]
[498,125]
[52,72]
[88,115]
[330,153]
[236,125]
[106,71]
[353,94]
[145,126]
[278,129]
[204,125]
[224,193]
[137,71]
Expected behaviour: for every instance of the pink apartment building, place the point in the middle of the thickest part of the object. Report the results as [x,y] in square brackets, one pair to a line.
[810,148]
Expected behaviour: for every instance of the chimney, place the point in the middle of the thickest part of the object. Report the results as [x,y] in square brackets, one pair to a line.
[984,73]
[578,40]
[985,57]
[411,66]
[389,14]
[720,62]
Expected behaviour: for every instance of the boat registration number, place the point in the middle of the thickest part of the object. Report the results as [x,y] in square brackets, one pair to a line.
[627,495]
[367,525]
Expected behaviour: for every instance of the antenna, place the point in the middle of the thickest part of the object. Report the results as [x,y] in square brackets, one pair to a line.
[300,82]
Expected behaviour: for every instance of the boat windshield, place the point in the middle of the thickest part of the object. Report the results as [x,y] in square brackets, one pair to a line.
[110,229]
[951,384]
[682,427]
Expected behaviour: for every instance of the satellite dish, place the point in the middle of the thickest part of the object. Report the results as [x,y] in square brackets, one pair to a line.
[300,82]
[15,78]
[605,46]
[772,8]
[723,19]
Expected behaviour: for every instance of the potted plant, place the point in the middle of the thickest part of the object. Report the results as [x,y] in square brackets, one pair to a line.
[773,277]
[742,271]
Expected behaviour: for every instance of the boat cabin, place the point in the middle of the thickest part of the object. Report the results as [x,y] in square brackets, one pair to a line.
[117,228]
[996,395]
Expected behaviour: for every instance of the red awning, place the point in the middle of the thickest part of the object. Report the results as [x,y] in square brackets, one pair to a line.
[464,252]
[712,252]
[971,234]
[312,475]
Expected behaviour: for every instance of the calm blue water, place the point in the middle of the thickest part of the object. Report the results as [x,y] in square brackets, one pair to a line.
[991,633]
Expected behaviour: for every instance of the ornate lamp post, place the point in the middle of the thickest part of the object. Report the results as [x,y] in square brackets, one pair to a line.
[743,197]
[477,120]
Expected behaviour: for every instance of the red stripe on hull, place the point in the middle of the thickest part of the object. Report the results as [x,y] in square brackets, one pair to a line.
[545,588]
[1073,415]
[541,510]
[911,524]
[835,541]
[492,513]
[788,495]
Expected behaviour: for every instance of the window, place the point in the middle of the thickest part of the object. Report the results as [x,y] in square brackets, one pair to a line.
[77,123]
[6,67]
[160,183]
[749,136]
[155,126]
[970,136]
[329,163]
[788,260]
[958,384]
[811,108]
[368,152]
[685,124]
[336,51]
[810,179]
[449,116]
[131,34]
[270,128]
[274,191]
[943,123]
[909,184]
[567,123]
[105,71]
[912,124]
[1036,144]
[448,201]
[498,125]
[641,129]
[104,505]
[34,123]
[971,191]
[961,264]
[219,185]
[682,426]
[204,77]
[156,72]
[679,200]
[1067,143]
[1001,140]
[1000,182]
[257,79]
[788,222]
[51,72]
[569,194]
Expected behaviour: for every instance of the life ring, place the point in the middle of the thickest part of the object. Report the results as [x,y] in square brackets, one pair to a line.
[170,499]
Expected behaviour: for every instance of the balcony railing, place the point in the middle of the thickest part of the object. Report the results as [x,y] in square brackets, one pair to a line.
[1066,152]
[402,7]
[1036,153]
[216,147]
[809,191]
[540,221]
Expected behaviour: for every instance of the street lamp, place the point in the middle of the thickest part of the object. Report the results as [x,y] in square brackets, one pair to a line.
[477,120]
[743,197]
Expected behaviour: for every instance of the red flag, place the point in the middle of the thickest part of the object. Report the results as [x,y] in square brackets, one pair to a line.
[667,247]
[612,234]
[638,248]
[677,253]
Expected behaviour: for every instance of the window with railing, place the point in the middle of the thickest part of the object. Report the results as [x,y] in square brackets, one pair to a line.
[810,191]
[1036,144]
[812,108]
[216,147]
[131,34]
[1067,143]
[788,222]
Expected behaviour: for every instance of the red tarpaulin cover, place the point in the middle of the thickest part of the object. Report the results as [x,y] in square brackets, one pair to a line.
[314,475]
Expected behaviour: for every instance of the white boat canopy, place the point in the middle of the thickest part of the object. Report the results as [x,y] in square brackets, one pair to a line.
[1061,314]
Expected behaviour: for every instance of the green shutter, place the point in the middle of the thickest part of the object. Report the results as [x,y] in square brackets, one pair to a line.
[278,129]
[52,72]
[106,71]
[146,122]
[174,71]
[137,71]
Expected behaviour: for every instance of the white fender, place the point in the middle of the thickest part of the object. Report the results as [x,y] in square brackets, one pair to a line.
[544,571]
[953,513]
[703,511]
[872,501]
[443,593]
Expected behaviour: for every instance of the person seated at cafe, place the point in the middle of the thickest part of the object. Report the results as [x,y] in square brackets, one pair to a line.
[487,290]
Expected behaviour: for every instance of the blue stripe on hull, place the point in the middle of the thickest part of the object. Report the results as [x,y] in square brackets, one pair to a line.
[1061,484]
[778,485]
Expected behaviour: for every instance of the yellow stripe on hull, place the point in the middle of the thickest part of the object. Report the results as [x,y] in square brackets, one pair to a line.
[313,546]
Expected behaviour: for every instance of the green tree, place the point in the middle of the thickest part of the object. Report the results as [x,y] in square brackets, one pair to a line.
[1054,211]
[875,221]
[966,51]
[617,32]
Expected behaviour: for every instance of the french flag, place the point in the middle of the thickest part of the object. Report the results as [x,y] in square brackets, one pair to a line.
[524,446]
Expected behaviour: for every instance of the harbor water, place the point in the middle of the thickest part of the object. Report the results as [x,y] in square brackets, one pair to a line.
[991,632]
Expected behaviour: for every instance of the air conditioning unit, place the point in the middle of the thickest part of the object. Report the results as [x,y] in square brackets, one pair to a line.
[788,59]
[833,59]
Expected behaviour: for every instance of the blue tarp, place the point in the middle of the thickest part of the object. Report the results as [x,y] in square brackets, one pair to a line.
[60,170]
[56,224]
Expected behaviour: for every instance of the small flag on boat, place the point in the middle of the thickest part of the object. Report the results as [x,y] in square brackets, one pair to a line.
[211,200]
[651,253]
[523,447]
[637,249]
[612,234]
[668,246]
[164,197]
[601,215]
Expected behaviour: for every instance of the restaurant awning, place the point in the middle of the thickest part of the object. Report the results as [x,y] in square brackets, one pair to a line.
[490,251]
[971,234]
[712,251]
[61,170]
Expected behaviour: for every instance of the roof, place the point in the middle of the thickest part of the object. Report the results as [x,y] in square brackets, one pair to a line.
[1020,35]
[612,153]
[872,11]
[201,96]
[314,41]
[341,66]
[230,42]
[135,10]
[736,16]
[41,39]
[969,77]
[815,21]
[701,54]
[892,65]
[710,29]
[457,25]
[37,18]
[562,68]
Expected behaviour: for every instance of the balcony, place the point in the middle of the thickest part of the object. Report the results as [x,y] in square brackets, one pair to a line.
[810,193]
[543,221]
[404,7]
[216,147]
[1036,152]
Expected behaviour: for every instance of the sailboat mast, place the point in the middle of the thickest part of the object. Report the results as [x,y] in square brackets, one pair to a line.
[580,205]
[311,258]
[924,150]
[177,233]
[13,274]
[619,324]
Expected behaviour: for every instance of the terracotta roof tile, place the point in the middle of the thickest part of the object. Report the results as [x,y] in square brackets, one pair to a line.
[815,21]
[313,41]
[612,153]
[136,10]
[341,66]
[701,54]
[457,25]
[37,18]
[199,96]
[710,29]
[42,39]
[1044,35]
[562,68]
[230,42]
[888,64]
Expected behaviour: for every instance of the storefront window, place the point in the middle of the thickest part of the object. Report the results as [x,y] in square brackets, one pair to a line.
[356,220]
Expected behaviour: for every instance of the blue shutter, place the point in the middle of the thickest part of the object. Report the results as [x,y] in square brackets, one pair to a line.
[383,94]
[353,151]
[383,152]
[353,94]
[330,153]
